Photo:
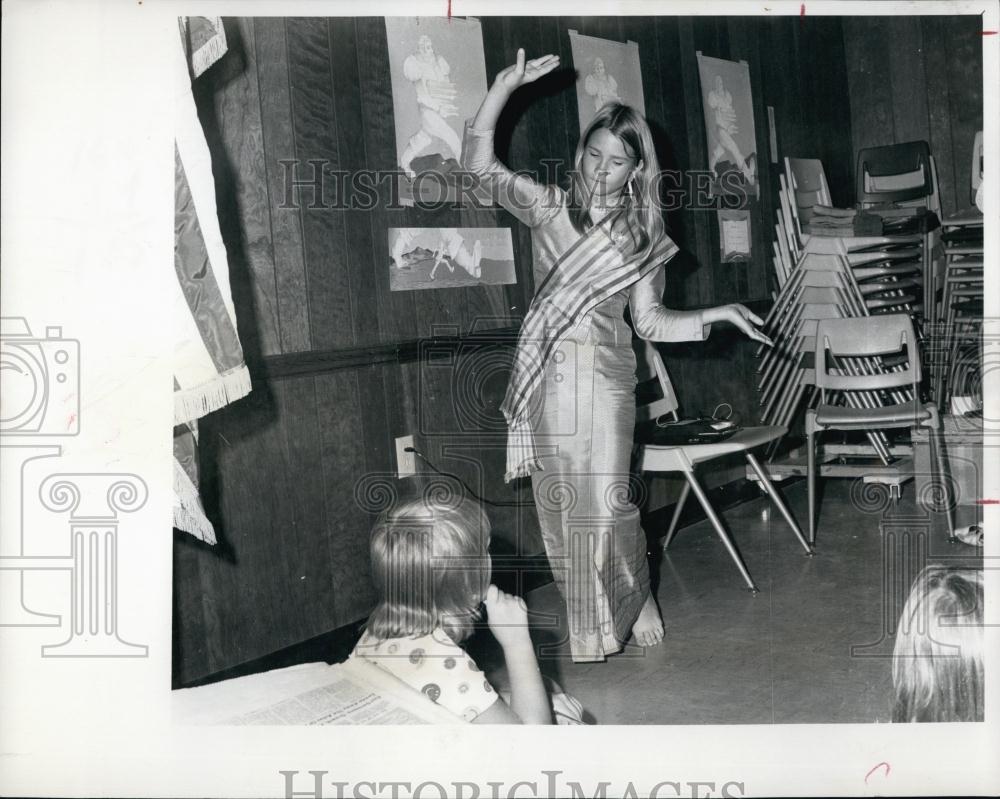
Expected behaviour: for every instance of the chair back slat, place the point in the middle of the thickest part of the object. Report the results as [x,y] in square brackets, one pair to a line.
[649,367]
[865,337]
[895,173]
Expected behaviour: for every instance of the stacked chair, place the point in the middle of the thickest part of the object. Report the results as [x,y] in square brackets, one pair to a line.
[898,182]
[828,277]
[888,344]
[959,315]
[956,323]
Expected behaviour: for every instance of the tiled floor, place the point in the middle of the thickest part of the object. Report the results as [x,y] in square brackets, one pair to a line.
[782,656]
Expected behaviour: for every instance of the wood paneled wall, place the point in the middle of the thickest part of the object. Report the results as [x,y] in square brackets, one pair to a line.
[282,466]
[919,77]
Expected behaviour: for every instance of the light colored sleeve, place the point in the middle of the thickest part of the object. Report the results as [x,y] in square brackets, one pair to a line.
[590,85]
[652,320]
[529,201]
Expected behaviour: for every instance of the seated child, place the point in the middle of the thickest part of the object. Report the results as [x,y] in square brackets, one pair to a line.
[937,668]
[431,568]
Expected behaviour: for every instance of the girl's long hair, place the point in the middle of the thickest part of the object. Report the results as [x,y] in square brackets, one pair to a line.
[641,214]
[431,568]
[937,667]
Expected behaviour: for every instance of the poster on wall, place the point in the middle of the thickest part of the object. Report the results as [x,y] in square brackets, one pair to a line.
[438,75]
[729,124]
[607,72]
[447,257]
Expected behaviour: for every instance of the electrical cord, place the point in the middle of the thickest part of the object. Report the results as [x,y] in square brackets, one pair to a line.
[723,418]
[465,485]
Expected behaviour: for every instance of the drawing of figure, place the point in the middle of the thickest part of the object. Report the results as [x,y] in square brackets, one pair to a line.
[435,95]
[453,245]
[721,100]
[404,238]
[601,86]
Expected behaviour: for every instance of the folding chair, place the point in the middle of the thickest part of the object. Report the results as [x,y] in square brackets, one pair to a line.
[685,458]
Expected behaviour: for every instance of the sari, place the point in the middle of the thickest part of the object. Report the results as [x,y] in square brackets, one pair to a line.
[570,403]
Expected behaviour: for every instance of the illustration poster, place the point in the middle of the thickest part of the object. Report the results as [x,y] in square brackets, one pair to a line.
[438,75]
[729,124]
[607,72]
[447,257]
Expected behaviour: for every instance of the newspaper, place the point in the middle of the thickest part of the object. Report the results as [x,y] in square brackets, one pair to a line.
[353,692]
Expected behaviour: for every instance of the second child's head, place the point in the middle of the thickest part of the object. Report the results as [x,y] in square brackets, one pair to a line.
[937,668]
[431,568]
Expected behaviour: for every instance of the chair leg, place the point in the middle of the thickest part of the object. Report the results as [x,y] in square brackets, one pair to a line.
[811,480]
[717,524]
[672,530]
[772,492]
[937,455]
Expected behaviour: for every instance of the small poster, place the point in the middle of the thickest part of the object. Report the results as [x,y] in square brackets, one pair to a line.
[607,72]
[447,257]
[438,75]
[734,235]
[729,124]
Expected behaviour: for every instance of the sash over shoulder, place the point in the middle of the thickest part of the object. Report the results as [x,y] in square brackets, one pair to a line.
[589,272]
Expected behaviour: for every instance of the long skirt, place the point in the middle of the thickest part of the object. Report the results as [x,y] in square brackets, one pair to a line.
[584,426]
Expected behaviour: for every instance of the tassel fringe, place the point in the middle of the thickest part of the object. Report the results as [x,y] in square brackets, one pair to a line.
[193,403]
[189,515]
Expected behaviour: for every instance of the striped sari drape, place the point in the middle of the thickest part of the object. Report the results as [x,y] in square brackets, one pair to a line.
[588,273]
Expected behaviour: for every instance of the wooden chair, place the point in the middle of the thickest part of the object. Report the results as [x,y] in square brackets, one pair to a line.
[685,458]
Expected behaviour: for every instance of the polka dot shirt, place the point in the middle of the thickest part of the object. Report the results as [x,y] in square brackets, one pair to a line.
[436,666]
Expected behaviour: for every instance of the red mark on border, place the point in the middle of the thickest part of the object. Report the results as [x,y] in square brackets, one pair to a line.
[988,33]
[802,10]
[69,423]
[876,768]
[988,501]
[449,9]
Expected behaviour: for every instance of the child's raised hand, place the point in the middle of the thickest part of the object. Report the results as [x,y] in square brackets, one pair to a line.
[507,616]
[522,72]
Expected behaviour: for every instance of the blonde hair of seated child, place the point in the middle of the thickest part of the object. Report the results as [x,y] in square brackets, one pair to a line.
[431,568]
[937,668]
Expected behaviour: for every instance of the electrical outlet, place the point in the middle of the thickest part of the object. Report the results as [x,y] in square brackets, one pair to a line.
[406,462]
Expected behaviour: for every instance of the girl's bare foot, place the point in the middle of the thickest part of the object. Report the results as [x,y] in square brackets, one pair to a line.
[648,628]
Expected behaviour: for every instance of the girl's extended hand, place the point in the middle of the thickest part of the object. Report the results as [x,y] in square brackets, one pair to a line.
[739,316]
[507,616]
[516,75]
